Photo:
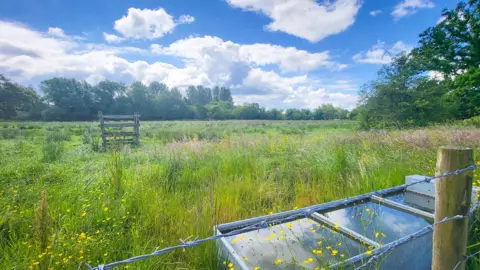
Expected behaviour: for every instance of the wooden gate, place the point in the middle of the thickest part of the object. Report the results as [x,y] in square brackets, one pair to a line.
[113,128]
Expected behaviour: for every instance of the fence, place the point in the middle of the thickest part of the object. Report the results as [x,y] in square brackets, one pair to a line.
[452,211]
[115,131]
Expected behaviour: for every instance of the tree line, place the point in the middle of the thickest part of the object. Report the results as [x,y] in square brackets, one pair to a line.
[65,99]
[406,94]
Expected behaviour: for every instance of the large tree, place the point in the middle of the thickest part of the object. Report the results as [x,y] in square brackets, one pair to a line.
[15,98]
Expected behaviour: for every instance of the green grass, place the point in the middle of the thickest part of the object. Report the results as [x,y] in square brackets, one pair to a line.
[101,206]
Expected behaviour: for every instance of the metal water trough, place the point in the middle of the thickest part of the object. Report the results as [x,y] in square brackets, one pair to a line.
[340,236]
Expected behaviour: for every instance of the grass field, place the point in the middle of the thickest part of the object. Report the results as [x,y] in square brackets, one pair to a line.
[64,200]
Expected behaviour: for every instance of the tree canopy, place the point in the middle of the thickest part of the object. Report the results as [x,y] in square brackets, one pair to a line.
[66,99]
[405,92]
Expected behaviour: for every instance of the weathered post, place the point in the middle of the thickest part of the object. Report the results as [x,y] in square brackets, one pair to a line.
[136,128]
[102,127]
[452,197]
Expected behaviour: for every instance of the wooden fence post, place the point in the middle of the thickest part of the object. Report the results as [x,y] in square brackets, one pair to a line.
[452,197]
[102,127]
[136,127]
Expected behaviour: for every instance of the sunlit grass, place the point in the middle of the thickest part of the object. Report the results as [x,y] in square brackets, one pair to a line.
[184,178]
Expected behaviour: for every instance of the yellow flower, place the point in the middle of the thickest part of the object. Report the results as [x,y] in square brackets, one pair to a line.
[225,262]
[105,254]
[382,234]
[342,255]
[272,235]
[256,268]
[82,236]
[105,209]
[36,263]
[296,207]
[328,247]
[68,210]
[319,242]
[310,260]
[339,244]
[270,213]
[81,251]
[230,265]
[84,214]
[368,252]
[310,221]
[268,238]
[234,240]
[336,226]
[282,232]
[245,258]
[377,234]
[278,261]
[289,225]
[334,252]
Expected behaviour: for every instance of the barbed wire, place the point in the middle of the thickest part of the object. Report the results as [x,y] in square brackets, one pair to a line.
[302,213]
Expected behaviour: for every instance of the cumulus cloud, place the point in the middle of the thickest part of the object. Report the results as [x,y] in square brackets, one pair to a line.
[29,56]
[375,12]
[307,19]
[380,53]
[288,59]
[409,7]
[148,23]
[111,38]
[185,19]
[55,31]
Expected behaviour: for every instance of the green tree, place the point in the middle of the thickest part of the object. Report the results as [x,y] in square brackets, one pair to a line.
[15,99]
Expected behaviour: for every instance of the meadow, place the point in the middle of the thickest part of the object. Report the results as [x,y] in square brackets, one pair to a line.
[65,200]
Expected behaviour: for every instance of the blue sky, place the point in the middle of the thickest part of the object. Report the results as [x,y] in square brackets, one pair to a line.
[279,53]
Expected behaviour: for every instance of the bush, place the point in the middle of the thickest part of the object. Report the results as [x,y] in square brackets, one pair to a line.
[57,135]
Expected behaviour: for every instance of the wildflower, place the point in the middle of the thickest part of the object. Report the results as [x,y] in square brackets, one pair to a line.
[342,255]
[68,210]
[281,237]
[245,258]
[81,251]
[282,232]
[230,265]
[310,221]
[256,268]
[105,254]
[270,213]
[36,263]
[234,240]
[82,236]
[339,244]
[329,247]
[334,252]
[289,225]
[278,261]
[272,235]
[84,214]
[377,234]
[105,209]
[336,226]
[310,260]
[268,238]
[382,234]
[319,243]
[225,262]
[368,252]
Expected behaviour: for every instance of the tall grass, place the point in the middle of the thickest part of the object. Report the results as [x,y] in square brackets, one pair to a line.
[148,197]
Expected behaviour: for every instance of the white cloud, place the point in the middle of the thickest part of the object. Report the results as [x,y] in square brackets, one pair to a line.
[289,59]
[375,12]
[148,23]
[111,38]
[55,31]
[29,56]
[307,19]
[409,7]
[380,54]
[185,19]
